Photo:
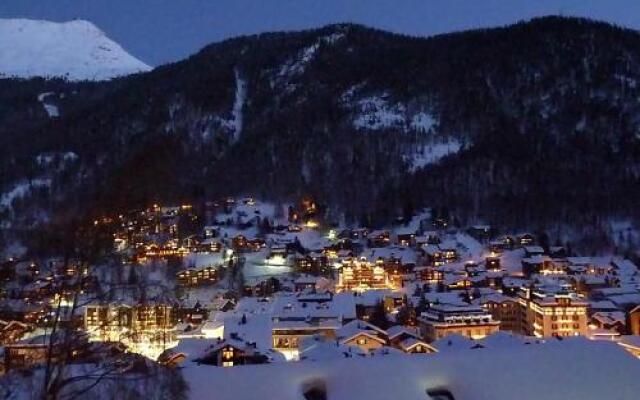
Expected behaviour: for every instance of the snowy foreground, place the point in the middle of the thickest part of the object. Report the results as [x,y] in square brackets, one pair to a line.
[570,369]
[76,50]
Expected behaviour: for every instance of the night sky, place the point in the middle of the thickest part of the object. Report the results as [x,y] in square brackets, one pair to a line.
[159,31]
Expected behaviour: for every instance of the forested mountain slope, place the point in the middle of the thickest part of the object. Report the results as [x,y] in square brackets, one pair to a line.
[532,123]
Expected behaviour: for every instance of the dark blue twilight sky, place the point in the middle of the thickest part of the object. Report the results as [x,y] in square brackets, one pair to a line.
[159,31]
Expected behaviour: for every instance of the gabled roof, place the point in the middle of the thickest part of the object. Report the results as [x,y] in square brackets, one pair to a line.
[412,342]
[398,330]
[358,327]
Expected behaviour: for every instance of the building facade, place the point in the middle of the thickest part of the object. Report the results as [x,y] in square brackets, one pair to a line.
[471,321]
[552,314]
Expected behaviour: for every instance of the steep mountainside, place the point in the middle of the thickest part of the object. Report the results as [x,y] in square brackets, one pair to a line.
[533,123]
[75,50]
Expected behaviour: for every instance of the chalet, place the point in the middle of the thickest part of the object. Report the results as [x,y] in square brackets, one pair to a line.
[12,331]
[440,223]
[407,341]
[449,251]
[589,265]
[262,287]
[26,353]
[427,237]
[535,265]
[299,316]
[610,321]
[554,266]
[233,351]
[496,247]
[525,239]
[362,275]
[193,314]
[113,322]
[433,255]
[207,275]
[378,238]
[312,263]
[586,284]
[222,304]
[393,301]
[405,237]
[557,252]
[362,334]
[531,251]
[314,307]
[494,279]
[481,233]
[633,316]
[440,254]
[277,253]
[209,245]
[457,282]
[492,263]
[211,231]
[508,242]
[354,234]
[306,283]
[415,345]
[241,244]
[429,275]
[37,350]
[288,335]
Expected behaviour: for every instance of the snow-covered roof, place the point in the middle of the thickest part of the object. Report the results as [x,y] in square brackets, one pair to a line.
[358,327]
[303,306]
[397,330]
[524,373]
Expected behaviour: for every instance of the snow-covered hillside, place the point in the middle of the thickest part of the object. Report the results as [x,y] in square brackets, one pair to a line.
[76,50]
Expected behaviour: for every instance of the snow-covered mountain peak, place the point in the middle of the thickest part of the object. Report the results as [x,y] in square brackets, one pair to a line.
[76,50]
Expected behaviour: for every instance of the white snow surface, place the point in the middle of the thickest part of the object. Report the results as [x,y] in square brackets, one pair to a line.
[20,190]
[433,152]
[51,109]
[375,113]
[422,122]
[241,93]
[297,65]
[571,369]
[75,50]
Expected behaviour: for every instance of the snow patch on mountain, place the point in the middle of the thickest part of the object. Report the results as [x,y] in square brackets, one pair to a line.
[423,122]
[51,109]
[433,152]
[374,113]
[234,124]
[241,94]
[22,189]
[297,64]
[75,50]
